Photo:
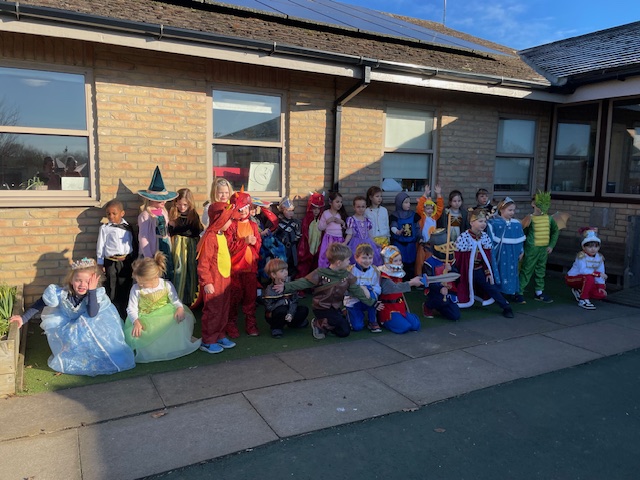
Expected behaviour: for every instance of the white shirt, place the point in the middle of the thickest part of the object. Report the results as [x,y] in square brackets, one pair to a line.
[113,241]
[380,220]
[586,265]
[134,296]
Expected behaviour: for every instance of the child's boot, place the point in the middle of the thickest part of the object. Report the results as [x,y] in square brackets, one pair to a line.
[251,327]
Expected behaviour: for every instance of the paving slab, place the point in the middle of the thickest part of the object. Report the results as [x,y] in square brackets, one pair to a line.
[341,358]
[532,355]
[430,379]
[310,405]
[149,444]
[629,321]
[44,457]
[430,341]
[502,328]
[571,315]
[74,407]
[606,338]
[211,381]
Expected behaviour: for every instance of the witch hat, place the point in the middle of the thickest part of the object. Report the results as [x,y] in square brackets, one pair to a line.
[156,190]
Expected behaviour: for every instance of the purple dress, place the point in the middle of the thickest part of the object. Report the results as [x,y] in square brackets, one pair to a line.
[360,234]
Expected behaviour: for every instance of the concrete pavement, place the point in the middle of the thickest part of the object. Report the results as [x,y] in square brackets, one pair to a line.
[131,428]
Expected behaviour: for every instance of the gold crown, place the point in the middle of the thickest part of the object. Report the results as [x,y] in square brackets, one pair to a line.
[83,263]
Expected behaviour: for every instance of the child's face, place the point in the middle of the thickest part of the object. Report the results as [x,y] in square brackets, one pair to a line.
[114,214]
[156,204]
[336,204]
[428,210]
[406,205]
[508,212]
[280,276]
[483,198]
[80,282]
[536,210]
[288,214]
[253,210]
[244,213]
[148,282]
[591,248]
[397,260]
[360,206]
[376,199]
[364,260]
[456,202]
[316,211]
[222,193]
[478,225]
[182,205]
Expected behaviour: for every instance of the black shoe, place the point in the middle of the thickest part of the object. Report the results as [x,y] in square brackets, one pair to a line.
[305,323]
[277,333]
[507,312]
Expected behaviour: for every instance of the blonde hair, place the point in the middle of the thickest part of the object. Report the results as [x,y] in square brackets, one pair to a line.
[338,252]
[215,185]
[71,273]
[184,194]
[150,267]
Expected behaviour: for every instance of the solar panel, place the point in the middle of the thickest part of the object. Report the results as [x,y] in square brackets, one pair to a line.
[356,17]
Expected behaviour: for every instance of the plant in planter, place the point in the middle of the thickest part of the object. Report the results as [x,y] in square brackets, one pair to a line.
[34,183]
[7,299]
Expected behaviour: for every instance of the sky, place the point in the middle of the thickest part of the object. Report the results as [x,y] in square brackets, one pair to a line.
[518,24]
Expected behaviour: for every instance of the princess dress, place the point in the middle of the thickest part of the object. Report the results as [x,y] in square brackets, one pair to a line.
[359,230]
[80,344]
[185,235]
[162,337]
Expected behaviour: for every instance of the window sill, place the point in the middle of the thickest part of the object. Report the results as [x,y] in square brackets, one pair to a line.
[45,199]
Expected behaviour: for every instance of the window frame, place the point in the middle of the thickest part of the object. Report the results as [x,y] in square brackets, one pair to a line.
[596,149]
[432,152]
[532,157]
[57,198]
[270,195]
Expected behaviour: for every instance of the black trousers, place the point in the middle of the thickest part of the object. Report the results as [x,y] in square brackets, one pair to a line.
[119,282]
[338,322]
[276,319]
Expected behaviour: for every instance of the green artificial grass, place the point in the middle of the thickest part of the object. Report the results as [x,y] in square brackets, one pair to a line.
[38,377]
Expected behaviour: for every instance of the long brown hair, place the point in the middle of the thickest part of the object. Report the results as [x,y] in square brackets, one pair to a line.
[192,214]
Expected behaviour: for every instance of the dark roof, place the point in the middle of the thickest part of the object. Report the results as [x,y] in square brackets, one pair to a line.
[598,56]
[221,19]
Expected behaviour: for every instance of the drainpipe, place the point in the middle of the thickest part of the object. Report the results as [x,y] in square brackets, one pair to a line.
[364,82]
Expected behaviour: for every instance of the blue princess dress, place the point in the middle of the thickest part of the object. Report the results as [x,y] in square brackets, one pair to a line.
[162,337]
[80,344]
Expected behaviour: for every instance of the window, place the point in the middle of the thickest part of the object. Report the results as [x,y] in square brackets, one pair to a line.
[623,170]
[515,155]
[44,134]
[574,150]
[408,150]
[248,140]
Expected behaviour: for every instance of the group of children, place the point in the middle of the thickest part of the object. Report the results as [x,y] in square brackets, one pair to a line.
[354,265]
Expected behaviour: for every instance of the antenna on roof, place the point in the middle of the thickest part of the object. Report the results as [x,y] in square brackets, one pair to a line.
[444,13]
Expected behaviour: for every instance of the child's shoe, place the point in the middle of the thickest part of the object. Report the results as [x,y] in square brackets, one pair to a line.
[375,327]
[427,312]
[212,348]
[277,333]
[317,330]
[252,331]
[544,298]
[576,294]
[586,304]
[517,298]
[507,312]
[232,331]
[226,343]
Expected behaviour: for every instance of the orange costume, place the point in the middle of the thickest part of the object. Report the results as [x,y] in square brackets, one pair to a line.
[438,208]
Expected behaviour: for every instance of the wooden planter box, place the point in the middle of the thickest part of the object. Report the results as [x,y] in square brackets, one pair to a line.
[11,361]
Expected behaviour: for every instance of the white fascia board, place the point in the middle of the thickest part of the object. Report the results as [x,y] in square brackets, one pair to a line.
[610,89]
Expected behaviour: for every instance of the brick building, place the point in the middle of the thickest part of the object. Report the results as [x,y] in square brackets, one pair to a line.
[284,106]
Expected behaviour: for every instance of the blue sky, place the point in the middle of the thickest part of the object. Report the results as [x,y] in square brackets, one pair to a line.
[517,24]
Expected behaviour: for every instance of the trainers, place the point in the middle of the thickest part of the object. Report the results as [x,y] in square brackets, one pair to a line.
[576,294]
[543,298]
[316,330]
[212,348]
[517,298]
[277,333]
[586,304]
[304,324]
[252,331]
[226,343]
[375,327]
[507,312]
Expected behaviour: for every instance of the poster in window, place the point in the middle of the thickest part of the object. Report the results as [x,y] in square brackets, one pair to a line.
[264,177]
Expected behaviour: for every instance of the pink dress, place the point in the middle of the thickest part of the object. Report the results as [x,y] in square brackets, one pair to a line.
[360,231]
[332,234]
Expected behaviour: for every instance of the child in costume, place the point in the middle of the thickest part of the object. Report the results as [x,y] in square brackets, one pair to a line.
[311,237]
[507,239]
[586,277]
[116,249]
[271,247]
[542,233]
[185,229]
[214,274]
[359,231]
[440,297]
[379,217]
[221,191]
[329,288]
[368,277]
[153,221]
[158,326]
[244,242]
[282,309]
[289,233]
[483,202]
[405,230]
[473,260]
[458,215]
[429,212]
[83,327]
[332,223]
[395,316]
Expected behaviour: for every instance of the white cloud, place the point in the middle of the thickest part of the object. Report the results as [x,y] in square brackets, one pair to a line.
[35,82]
